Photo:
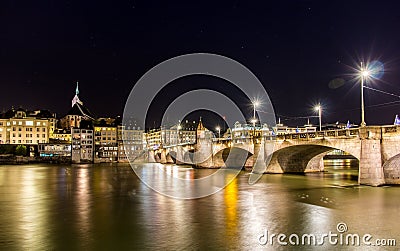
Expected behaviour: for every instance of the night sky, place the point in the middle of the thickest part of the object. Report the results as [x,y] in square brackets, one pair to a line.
[295,48]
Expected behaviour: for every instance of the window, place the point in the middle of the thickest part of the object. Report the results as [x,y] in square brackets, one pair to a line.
[37,136]
[38,129]
[43,129]
[43,135]
[8,123]
[38,123]
[19,129]
[19,141]
[14,129]
[14,122]
[19,122]
[19,135]
[13,141]
[29,123]
[13,135]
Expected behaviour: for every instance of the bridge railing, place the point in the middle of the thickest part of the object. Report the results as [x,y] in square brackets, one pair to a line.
[390,129]
[344,133]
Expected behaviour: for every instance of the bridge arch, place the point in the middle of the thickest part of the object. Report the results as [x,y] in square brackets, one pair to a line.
[391,170]
[300,158]
[233,157]
[171,157]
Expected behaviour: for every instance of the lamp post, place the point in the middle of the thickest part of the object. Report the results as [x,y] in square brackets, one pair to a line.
[319,110]
[219,131]
[256,103]
[177,132]
[364,73]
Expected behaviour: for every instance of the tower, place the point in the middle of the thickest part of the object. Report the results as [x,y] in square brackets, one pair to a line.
[76,97]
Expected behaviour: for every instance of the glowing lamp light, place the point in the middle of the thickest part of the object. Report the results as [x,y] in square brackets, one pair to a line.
[365,73]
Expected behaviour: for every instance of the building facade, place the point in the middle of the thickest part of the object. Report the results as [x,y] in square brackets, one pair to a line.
[20,127]
[82,145]
[106,147]
[181,133]
[131,143]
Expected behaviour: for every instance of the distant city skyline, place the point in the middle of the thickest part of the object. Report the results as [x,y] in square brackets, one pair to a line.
[295,48]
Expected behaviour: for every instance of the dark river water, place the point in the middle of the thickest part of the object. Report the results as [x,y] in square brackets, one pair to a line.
[106,207]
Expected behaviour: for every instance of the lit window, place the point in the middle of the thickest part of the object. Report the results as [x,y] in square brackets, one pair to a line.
[1,129]
[14,122]
[38,123]
[44,123]
[29,123]
[19,122]
[8,123]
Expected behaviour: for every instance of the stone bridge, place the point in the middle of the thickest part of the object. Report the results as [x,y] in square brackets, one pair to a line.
[376,147]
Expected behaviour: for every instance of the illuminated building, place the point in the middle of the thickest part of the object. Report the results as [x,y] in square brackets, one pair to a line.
[106,147]
[181,133]
[82,143]
[131,142]
[25,127]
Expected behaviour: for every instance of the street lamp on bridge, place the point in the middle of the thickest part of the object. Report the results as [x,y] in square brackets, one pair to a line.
[256,103]
[364,74]
[219,131]
[318,108]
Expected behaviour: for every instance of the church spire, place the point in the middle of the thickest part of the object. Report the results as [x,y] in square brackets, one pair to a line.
[77,88]
[76,97]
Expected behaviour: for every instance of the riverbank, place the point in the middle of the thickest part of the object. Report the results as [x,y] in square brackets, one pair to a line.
[20,160]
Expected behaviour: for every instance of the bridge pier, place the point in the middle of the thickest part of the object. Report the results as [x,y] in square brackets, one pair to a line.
[151,157]
[371,168]
[163,158]
[179,155]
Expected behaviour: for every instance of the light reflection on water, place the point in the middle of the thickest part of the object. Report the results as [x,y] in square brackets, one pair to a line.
[104,207]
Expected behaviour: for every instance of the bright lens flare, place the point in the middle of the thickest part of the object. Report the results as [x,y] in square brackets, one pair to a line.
[256,103]
[365,73]
[372,70]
